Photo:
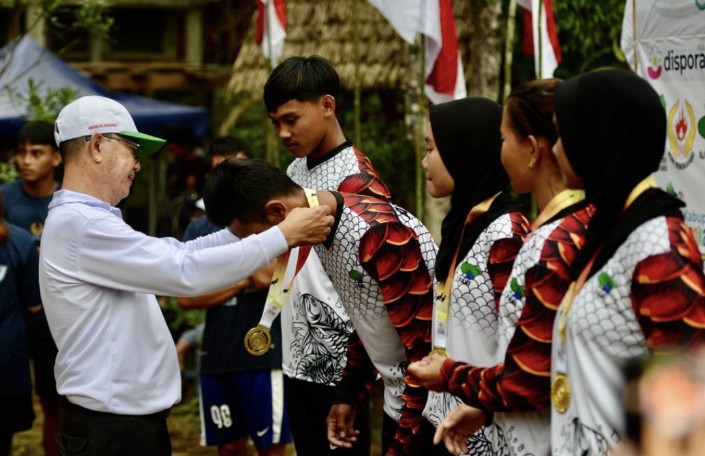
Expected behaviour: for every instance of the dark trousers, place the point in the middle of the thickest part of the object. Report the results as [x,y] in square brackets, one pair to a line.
[308,405]
[86,432]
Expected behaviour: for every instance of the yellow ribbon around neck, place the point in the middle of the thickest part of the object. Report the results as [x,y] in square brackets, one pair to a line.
[559,202]
[442,302]
[258,340]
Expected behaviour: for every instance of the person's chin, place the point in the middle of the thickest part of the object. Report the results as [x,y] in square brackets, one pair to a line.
[296,150]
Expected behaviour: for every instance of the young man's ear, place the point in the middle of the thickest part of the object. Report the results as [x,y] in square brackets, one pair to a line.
[328,103]
[275,211]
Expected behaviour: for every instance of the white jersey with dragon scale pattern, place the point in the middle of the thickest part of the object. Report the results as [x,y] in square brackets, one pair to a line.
[315,327]
[472,323]
[602,333]
[362,298]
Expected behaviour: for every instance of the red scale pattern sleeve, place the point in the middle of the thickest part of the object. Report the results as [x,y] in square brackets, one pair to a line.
[668,293]
[522,381]
[391,254]
[503,252]
[366,182]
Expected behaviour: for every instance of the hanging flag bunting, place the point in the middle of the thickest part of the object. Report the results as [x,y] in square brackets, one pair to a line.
[444,76]
[540,36]
[271,28]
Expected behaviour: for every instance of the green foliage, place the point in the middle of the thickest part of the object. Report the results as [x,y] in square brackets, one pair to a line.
[589,34]
[384,140]
[44,106]
[180,320]
[8,172]
[89,15]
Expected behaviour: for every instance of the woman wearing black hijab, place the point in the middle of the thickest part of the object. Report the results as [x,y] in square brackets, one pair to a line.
[481,235]
[638,281]
[515,387]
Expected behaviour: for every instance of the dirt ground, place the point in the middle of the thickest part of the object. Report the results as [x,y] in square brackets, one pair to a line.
[184,427]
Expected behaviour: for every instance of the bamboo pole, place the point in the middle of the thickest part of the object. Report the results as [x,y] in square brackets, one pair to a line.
[356,44]
[420,127]
[636,60]
[271,142]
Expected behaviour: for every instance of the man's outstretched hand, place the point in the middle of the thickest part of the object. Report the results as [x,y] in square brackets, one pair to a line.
[304,226]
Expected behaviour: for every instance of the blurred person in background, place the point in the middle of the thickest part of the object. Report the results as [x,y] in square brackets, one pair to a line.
[19,290]
[241,395]
[26,205]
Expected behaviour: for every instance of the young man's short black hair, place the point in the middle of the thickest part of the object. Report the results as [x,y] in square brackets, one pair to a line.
[230,145]
[300,78]
[240,189]
[37,132]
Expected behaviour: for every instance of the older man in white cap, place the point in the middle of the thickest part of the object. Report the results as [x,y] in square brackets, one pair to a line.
[117,365]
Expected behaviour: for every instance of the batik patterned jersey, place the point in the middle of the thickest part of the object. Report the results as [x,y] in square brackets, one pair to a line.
[315,327]
[478,281]
[648,296]
[520,381]
[380,260]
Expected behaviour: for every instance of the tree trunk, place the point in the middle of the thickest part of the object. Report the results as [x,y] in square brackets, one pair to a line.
[483,59]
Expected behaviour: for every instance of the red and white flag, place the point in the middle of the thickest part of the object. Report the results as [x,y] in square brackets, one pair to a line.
[434,19]
[271,28]
[540,36]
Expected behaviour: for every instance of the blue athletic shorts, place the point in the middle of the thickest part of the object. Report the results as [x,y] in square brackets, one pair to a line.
[238,404]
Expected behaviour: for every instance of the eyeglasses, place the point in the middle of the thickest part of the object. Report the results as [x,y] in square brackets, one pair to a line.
[133,145]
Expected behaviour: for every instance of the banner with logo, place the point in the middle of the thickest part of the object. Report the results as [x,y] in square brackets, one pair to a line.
[664,42]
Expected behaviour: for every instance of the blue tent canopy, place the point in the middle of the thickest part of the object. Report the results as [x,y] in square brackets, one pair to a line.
[25,59]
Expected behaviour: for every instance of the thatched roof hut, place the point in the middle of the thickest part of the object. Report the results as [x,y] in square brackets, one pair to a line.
[327,28]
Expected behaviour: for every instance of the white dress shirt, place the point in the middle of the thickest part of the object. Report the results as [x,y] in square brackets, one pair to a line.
[98,278]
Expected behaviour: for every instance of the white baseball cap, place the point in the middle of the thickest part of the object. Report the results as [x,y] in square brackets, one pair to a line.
[93,114]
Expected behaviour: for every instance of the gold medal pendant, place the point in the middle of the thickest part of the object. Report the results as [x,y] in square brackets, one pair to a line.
[560,392]
[440,351]
[258,340]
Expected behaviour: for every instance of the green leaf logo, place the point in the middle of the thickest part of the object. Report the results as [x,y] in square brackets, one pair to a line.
[605,281]
[355,275]
[470,271]
[517,289]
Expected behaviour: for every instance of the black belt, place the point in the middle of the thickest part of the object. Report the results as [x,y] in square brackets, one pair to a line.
[152,416]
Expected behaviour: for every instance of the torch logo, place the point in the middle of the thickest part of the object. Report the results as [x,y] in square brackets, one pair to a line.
[681,133]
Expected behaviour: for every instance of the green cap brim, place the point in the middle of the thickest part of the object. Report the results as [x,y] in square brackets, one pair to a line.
[148,144]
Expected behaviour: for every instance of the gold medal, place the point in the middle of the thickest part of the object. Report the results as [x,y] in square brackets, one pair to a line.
[560,392]
[440,351]
[258,340]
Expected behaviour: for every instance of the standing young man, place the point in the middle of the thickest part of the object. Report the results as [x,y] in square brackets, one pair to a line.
[26,205]
[300,96]
[241,395]
[381,260]
[117,366]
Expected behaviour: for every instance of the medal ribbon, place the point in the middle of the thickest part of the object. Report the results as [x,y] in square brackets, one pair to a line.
[278,292]
[441,304]
[258,340]
[575,287]
[559,202]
